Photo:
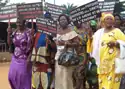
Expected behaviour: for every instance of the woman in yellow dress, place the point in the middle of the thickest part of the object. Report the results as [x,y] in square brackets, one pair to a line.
[108,49]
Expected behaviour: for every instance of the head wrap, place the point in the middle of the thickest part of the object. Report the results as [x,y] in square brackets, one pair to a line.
[102,17]
[108,15]
[93,23]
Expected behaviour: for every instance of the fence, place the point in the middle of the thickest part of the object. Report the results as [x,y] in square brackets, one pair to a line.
[3,47]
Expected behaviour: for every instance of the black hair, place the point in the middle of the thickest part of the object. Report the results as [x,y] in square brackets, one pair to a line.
[48,15]
[24,23]
[67,17]
[118,16]
[77,24]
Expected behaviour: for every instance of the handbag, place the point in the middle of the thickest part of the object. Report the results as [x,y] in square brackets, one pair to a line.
[119,65]
[68,58]
[120,61]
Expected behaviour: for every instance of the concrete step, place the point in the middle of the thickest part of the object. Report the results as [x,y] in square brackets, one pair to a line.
[5,57]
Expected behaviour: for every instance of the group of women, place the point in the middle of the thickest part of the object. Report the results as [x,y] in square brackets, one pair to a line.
[35,56]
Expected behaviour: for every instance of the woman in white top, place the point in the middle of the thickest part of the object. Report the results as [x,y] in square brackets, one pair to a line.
[66,37]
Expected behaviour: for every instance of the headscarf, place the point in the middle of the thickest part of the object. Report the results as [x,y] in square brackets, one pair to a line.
[93,23]
[101,23]
[102,17]
[107,15]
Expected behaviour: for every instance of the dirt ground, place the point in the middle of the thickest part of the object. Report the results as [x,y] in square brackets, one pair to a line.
[4,67]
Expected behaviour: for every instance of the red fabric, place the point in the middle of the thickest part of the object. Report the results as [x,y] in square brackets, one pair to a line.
[36,38]
[41,67]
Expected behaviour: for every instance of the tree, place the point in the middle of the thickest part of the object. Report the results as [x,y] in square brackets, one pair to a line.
[3,3]
[68,8]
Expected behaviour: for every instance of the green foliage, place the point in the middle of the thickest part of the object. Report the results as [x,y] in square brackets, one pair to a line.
[68,8]
[3,3]
[45,8]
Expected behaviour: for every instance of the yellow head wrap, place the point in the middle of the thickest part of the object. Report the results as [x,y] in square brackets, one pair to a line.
[108,15]
[102,20]
[102,17]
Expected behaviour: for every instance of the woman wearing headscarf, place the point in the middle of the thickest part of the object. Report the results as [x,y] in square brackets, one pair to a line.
[107,48]
[66,39]
[20,71]
[82,72]
[79,73]
[93,25]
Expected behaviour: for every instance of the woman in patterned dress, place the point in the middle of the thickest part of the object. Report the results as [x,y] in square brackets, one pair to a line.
[66,37]
[108,48]
[20,68]
[82,72]
[79,74]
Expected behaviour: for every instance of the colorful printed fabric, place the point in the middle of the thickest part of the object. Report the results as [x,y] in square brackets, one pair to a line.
[42,71]
[87,70]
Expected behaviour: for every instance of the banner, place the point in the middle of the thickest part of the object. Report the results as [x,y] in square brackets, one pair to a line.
[85,12]
[8,12]
[47,26]
[30,11]
[107,6]
[55,10]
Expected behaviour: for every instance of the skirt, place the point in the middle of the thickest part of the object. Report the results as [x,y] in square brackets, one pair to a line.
[63,77]
[19,77]
[109,80]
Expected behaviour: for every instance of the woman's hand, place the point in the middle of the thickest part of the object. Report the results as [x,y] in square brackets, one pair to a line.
[90,33]
[113,44]
[61,43]
[29,62]
[48,41]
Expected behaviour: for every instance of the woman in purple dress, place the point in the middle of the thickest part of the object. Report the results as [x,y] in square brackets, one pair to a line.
[20,68]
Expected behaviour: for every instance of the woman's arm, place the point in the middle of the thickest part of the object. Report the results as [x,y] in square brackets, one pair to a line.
[30,44]
[9,33]
[73,43]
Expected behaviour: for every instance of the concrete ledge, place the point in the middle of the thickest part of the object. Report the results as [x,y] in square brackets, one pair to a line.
[5,57]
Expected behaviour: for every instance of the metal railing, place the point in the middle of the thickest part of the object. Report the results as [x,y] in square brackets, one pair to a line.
[3,47]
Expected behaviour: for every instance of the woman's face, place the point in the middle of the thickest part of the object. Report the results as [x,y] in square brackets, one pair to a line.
[63,22]
[117,21]
[19,23]
[109,22]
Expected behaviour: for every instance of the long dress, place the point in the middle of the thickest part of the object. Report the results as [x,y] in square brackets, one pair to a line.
[19,76]
[83,72]
[63,75]
[106,70]
[79,73]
